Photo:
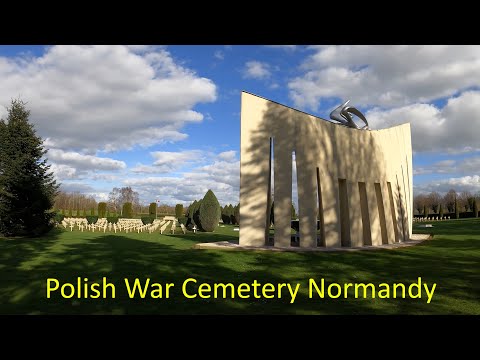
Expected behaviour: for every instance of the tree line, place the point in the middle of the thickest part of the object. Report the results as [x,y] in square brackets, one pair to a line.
[434,203]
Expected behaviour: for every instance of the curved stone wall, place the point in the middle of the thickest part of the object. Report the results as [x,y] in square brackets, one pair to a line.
[354,186]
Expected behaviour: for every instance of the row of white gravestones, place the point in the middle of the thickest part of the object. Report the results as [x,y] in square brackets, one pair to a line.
[127,225]
[433,218]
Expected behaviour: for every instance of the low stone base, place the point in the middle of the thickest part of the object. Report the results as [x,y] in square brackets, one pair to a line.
[225,245]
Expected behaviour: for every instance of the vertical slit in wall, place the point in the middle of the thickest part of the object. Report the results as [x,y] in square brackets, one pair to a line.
[407,202]
[344,213]
[295,200]
[269,194]
[381,213]
[408,179]
[392,211]
[367,232]
[402,213]
[320,224]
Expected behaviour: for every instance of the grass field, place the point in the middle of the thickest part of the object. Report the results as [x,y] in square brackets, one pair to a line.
[451,260]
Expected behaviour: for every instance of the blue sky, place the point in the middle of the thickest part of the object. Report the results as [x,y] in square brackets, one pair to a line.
[166,119]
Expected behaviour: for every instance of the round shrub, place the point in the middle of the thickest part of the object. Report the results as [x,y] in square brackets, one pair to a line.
[112,219]
[147,219]
[59,217]
[91,219]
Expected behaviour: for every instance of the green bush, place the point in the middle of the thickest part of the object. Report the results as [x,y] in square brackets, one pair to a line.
[102,209]
[70,213]
[127,210]
[112,219]
[182,220]
[236,214]
[225,219]
[209,212]
[425,211]
[92,219]
[152,209]
[92,211]
[475,208]
[147,219]
[178,210]
[440,211]
[196,214]
[59,217]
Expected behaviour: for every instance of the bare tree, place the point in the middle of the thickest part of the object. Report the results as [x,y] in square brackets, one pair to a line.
[449,200]
[435,200]
[74,201]
[419,202]
[119,196]
[465,199]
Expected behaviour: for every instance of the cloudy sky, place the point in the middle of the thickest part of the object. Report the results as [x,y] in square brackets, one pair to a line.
[165,120]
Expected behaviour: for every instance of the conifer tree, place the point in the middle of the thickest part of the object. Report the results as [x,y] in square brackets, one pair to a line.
[27,187]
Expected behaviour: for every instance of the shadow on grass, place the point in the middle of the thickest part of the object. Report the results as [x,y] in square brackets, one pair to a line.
[25,264]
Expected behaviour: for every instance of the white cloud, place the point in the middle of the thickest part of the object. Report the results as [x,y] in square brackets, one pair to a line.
[218,172]
[110,97]
[466,183]
[84,162]
[466,166]
[283,47]
[227,155]
[256,70]
[220,55]
[453,128]
[385,75]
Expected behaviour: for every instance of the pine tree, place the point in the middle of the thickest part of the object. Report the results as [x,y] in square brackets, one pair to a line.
[440,212]
[27,188]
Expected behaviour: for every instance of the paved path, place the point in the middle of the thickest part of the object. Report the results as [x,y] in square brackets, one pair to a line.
[225,245]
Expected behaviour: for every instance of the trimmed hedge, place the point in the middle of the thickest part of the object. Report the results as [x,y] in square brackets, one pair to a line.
[127,210]
[147,219]
[178,210]
[102,209]
[92,219]
[152,209]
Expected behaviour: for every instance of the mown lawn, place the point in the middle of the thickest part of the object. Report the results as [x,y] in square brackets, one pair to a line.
[451,260]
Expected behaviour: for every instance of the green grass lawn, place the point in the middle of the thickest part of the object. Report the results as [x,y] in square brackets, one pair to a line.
[451,260]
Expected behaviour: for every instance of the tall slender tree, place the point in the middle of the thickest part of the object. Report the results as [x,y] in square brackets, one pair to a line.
[27,187]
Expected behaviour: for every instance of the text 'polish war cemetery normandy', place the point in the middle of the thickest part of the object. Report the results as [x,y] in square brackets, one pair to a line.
[268,254]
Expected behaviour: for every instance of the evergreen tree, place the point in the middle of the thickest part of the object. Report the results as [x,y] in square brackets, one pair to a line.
[102,209]
[440,212]
[425,211]
[127,211]
[457,210]
[152,209]
[294,213]
[230,214]
[237,214]
[209,212]
[179,210]
[475,207]
[27,187]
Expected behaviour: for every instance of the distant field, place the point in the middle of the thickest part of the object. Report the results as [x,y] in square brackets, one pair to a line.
[451,260]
